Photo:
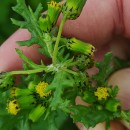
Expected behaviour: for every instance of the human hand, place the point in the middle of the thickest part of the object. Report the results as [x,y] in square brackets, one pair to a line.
[103,23]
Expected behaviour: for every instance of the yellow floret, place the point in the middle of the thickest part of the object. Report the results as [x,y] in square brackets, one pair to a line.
[54,4]
[13,107]
[40,89]
[102,93]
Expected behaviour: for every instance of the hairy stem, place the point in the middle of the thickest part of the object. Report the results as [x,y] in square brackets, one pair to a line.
[26,71]
[58,40]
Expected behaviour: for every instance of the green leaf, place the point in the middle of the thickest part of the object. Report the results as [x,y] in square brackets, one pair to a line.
[61,81]
[27,60]
[54,121]
[90,117]
[114,91]
[6,81]
[126,115]
[119,63]
[105,70]
[30,23]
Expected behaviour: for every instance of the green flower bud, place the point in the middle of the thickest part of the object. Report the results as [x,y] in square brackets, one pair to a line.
[27,102]
[36,113]
[6,81]
[14,92]
[113,105]
[89,97]
[53,12]
[32,85]
[73,8]
[84,62]
[44,23]
[99,107]
[80,47]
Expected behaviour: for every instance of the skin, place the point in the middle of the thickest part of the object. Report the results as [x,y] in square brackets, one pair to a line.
[103,23]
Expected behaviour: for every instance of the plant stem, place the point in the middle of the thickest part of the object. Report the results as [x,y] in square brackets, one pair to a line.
[26,71]
[24,125]
[58,39]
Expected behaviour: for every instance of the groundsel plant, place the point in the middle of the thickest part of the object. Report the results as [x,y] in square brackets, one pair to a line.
[45,96]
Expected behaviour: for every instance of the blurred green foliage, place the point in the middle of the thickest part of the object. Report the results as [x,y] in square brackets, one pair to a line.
[6,12]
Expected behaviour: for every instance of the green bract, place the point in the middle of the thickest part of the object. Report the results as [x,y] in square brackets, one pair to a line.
[73,8]
[45,23]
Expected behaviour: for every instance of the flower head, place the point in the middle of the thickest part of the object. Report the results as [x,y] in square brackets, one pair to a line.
[102,93]
[13,107]
[40,89]
[80,47]
[73,8]
[53,12]
[14,92]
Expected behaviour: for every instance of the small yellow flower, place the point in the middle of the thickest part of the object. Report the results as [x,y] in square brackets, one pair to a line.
[13,107]
[40,89]
[102,93]
[54,4]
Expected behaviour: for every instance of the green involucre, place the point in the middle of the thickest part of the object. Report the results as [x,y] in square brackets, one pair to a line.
[81,47]
[113,105]
[36,113]
[73,8]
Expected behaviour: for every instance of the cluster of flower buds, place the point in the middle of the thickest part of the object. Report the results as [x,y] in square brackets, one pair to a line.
[71,9]
[47,21]
[32,99]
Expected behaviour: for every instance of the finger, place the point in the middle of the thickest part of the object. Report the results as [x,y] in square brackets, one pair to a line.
[100,21]
[114,125]
[9,59]
[121,78]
